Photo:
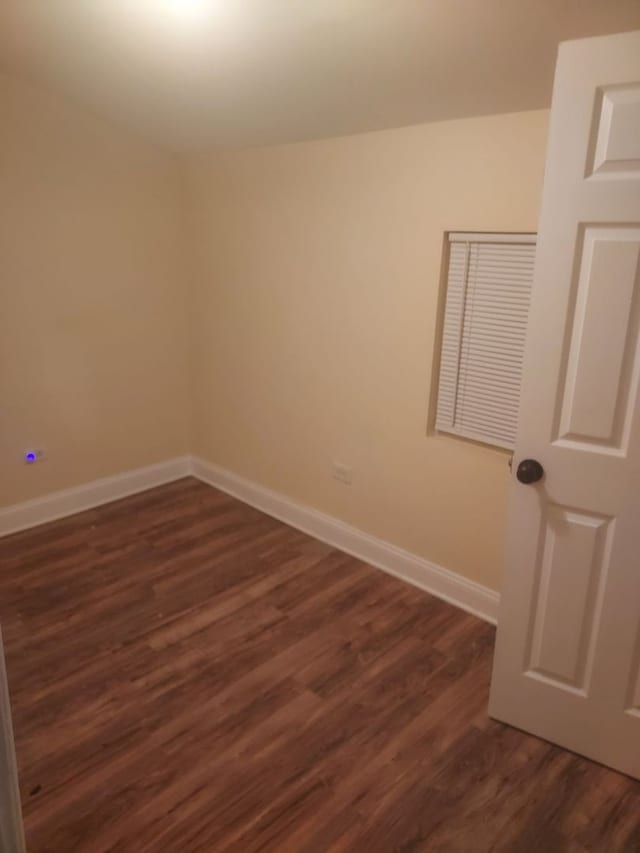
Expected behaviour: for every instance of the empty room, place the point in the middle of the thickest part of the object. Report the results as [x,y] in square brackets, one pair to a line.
[320,426]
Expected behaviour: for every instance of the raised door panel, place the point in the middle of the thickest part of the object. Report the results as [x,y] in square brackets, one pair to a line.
[603,364]
[573,557]
[616,148]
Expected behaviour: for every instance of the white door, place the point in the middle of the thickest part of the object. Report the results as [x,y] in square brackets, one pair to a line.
[11,833]
[567,662]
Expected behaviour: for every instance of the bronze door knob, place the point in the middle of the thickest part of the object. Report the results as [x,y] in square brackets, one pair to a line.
[529,471]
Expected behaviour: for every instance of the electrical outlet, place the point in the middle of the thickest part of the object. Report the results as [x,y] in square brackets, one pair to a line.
[342,473]
[33,455]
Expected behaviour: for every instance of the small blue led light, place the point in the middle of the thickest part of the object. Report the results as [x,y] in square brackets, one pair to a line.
[30,456]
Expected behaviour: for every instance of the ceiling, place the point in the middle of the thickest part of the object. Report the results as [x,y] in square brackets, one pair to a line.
[189,74]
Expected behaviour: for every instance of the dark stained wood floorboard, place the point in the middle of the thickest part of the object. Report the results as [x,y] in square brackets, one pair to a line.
[188,674]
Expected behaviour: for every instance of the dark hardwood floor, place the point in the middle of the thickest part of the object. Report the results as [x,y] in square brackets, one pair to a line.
[188,674]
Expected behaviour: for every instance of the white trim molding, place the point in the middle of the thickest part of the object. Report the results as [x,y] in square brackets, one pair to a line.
[434,579]
[79,498]
[445,584]
[11,829]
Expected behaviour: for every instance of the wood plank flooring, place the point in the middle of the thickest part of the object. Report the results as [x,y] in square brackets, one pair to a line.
[188,674]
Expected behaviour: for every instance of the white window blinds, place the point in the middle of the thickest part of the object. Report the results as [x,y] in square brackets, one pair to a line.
[488,290]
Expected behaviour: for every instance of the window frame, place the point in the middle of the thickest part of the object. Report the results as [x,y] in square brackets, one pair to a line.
[469,237]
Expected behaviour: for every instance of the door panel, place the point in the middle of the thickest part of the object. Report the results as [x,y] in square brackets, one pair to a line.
[567,604]
[617,147]
[598,393]
[567,662]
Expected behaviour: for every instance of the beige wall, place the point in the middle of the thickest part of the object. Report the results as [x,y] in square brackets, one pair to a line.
[315,314]
[92,301]
[285,297]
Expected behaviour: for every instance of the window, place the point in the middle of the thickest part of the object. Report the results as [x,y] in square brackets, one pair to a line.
[485,321]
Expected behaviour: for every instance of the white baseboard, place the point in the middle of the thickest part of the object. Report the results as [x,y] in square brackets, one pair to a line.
[69,501]
[457,590]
